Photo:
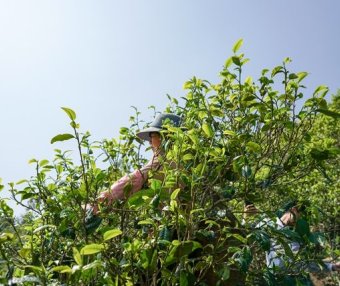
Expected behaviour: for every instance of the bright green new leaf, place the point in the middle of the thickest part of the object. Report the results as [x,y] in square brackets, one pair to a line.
[20,182]
[276,70]
[40,228]
[237,45]
[228,62]
[61,137]
[6,236]
[207,130]
[62,269]
[301,75]
[111,234]
[94,264]
[321,91]
[77,256]
[187,85]
[91,249]
[229,132]
[71,114]
[43,163]
[174,194]
[188,157]
[253,147]
[24,252]
[146,221]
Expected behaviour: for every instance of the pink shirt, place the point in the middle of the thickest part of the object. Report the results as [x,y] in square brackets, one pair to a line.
[135,179]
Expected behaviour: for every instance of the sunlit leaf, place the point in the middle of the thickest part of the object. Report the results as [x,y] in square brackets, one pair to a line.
[237,45]
[174,194]
[77,256]
[207,130]
[62,269]
[111,234]
[91,249]
[71,114]
[61,137]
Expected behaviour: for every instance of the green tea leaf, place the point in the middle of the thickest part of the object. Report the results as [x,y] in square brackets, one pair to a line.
[91,249]
[111,234]
[302,227]
[237,45]
[71,114]
[77,256]
[62,269]
[229,132]
[40,228]
[329,112]
[187,157]
[253,147]
[321,91]
[276,70]
[174,194]
[61,137]
[43,163]
[207,130]
[236,60]
[301,75]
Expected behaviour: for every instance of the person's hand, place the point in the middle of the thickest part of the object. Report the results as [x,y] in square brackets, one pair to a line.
[104,196]
[336,266]
[250,211]
[93,208]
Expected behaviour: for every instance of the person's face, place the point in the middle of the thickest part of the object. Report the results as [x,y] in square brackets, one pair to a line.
[155,140]
[291,216]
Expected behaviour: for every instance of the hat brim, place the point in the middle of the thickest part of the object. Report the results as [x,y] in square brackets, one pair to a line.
[145,133]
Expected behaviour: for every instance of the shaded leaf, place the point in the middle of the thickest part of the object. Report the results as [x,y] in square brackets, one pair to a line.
[329,112]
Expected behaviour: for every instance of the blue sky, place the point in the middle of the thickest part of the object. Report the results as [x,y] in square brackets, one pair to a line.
[101,57]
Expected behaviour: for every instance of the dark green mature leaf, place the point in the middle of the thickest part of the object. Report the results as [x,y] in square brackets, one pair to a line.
[319,155]
[302,227]
[181,249]
[71,114]
[236,60]
[328,112]
[246,171]
[61,137]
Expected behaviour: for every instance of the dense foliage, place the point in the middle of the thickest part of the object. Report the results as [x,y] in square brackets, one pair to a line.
[240,141]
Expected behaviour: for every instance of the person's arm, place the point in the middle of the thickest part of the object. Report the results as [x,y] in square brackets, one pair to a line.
[134,181]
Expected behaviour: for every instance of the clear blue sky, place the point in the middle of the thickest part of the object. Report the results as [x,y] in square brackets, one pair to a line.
[101,57]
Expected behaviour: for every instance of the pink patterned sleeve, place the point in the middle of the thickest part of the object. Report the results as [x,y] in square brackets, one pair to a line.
[136,179]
